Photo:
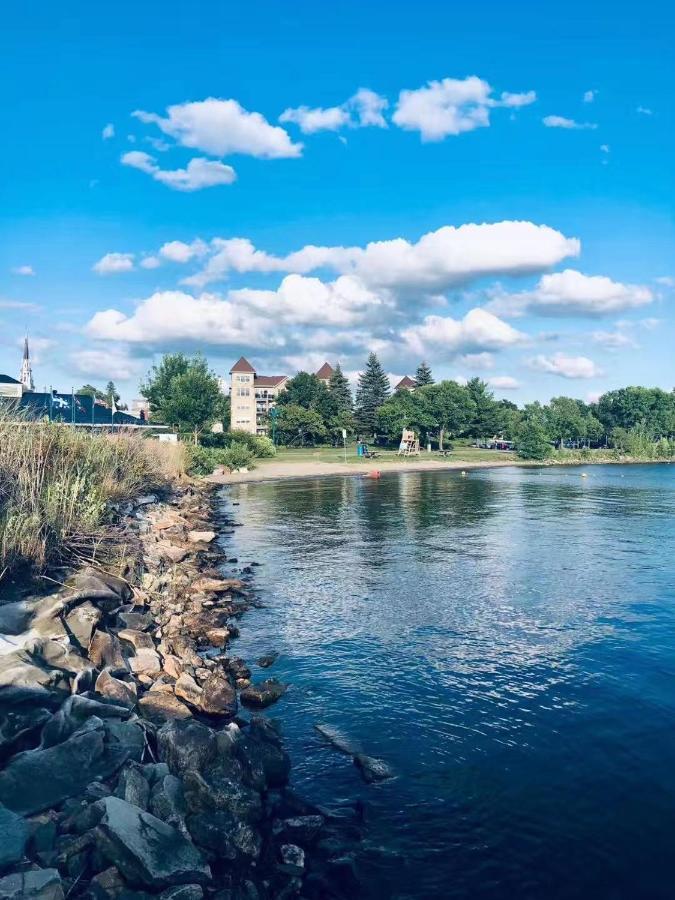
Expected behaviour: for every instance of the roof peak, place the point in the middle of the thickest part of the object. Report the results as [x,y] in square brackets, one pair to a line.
[242,365]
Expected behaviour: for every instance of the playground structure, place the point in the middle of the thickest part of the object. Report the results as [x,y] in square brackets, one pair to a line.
[410,444]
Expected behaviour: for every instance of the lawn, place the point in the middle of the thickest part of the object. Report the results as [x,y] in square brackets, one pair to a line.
[336,454]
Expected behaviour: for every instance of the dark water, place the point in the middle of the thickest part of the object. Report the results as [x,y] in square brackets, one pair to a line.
[507,642]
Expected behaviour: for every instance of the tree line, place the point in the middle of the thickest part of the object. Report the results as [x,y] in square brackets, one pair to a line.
[184,391]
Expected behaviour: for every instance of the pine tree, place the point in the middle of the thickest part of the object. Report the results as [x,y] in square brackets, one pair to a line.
[340,390]
[423,375]
[372,391]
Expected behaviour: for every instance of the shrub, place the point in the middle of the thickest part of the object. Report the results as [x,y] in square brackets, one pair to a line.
[203,460]
[238,456]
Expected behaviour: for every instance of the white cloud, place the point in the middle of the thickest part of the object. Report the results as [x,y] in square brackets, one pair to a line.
[19,304]
[666,281]
[108,132]
[23,270]
[113,263]
[365,108]
[451,106]
[589,96]
[180,252]
[478,330]
[614,340]
[439,260]
[604,148]
[221,128]
[243,316]
[573,293]
[566,366]
[199,173]
[150,262]
[504,383]
[562,122]
[105,363]
[645,111]
[312,120]
[477,361]
[38,347]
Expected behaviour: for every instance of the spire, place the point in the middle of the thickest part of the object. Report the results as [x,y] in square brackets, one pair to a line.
[26,376]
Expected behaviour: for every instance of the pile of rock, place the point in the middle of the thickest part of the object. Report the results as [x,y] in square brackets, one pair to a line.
[127,769]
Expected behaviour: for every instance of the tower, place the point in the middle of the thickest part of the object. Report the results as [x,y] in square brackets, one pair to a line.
[26,376]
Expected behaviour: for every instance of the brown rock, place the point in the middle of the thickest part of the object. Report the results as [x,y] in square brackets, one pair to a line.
[187,689]
[172,553]
[121,692]
[145,662]
[218,637]
[172,666]
[218,585]
[201,537]
[140,640]
[219,698]
[160,707]
[105,651]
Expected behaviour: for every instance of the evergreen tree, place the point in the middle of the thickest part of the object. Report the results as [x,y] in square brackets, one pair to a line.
[486,419]
[423,375]
[372,391]
[341,391]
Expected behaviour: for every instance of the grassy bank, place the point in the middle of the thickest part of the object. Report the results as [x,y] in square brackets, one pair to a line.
[57,484]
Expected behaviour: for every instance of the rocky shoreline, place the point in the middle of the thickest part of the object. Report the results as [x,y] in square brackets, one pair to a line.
[134,760]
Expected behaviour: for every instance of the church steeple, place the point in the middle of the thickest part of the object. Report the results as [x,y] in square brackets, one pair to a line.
[26,376]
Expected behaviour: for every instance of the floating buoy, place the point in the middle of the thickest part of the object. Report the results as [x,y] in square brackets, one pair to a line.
[584,475]
[463,473]
[374,474]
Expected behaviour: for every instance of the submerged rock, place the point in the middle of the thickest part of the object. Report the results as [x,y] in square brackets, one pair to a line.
[336,739]
[373,769]
[147,851]
[263,694]
[268,660]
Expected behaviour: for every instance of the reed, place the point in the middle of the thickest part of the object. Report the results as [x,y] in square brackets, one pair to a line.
[58,484]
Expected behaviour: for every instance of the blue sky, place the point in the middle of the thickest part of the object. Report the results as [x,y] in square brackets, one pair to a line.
[491,186]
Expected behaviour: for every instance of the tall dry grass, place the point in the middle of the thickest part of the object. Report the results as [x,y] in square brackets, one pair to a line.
[57,484]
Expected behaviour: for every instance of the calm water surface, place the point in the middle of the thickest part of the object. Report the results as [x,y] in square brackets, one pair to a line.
[507,642]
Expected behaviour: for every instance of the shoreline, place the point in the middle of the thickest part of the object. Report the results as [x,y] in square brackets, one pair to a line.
[269,471]
[134,750]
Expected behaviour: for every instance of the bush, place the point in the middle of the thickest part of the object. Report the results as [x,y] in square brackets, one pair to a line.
[260,446]
[203,460]
[238,456]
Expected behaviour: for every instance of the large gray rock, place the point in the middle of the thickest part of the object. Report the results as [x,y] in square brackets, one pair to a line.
[263,693]
[186,746]
[147,851]
[73,714]
[15,617]
[23,681]
[158,707]
[36,884]
[105,651]
[13,837]
[122,692]
[373,769]
[40,779]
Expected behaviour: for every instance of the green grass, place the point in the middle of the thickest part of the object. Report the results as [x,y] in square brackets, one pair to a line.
[460,453]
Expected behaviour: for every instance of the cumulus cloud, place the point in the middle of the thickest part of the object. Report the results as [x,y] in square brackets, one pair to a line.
[504,383]
[221,128]
[199,172]
[364,109]
[618,339]
[180,252]
[106,362]
[113,263]
[666,281]
[589,96]
[150,262]
[23,270]
[440,259]
[478,361]
[572,293]
[243,316]
[478,330]
[108,132]
[570,124]
[452,106]
[566,366]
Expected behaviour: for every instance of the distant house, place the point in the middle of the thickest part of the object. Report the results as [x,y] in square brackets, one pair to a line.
[252,397]
[10,388]
[325,373]
[406,384]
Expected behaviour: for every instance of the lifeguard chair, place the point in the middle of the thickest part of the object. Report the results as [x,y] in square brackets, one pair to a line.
[410,444]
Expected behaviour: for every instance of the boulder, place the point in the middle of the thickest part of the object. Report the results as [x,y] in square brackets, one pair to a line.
[139,640]
[82,621]
[224,836]
[302,830]
[145,662]
[135,620]
[105,651]
[183,892]
[264,693]
[221,787]
[36,884]
[41,779]
[201,537]
[15,617]
[159,707]
[373,769]
[122,692]
[167,801]
[268,659]
[147,851]
[172,552]
[133,787]
[219,698]
[75,712]
[186,746]
[13,837]
[187,689]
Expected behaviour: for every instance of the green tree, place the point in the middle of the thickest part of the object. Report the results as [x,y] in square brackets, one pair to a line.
[157,385]
[373,390]
[450,406]
[303,390]
[112,395]
[567,420]
[190,398]
[340,390]
[486,420]
[90,391]
[423,375]
[295,424]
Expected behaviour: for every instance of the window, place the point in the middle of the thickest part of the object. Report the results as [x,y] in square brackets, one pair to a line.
[243,392]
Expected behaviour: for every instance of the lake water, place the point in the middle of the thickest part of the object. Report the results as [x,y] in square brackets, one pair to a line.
[506,641]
